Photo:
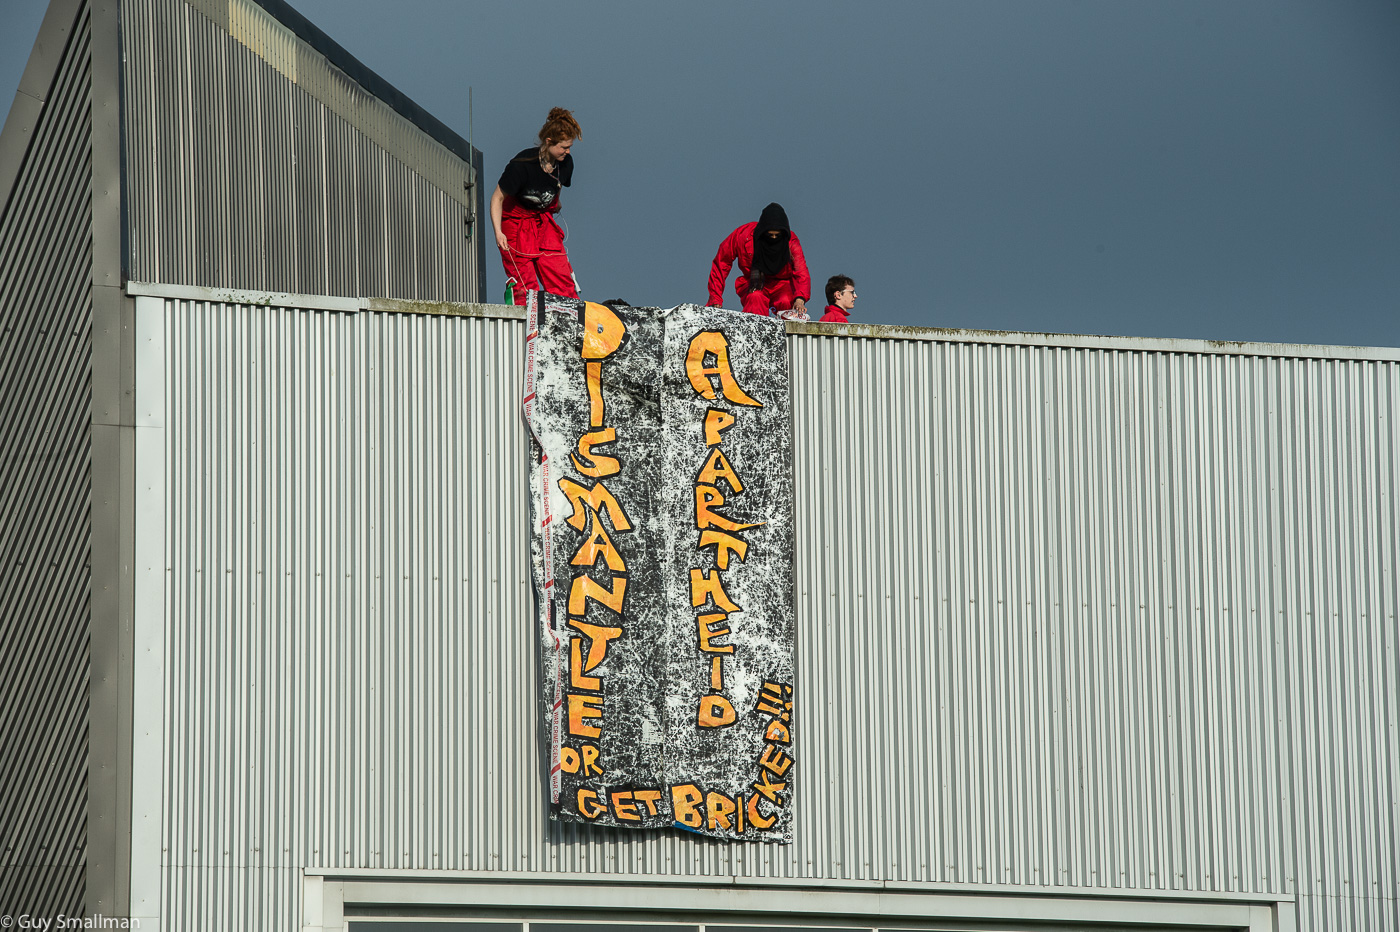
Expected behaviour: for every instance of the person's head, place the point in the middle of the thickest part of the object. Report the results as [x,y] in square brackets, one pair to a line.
[773,223]
[770,243]
[558,134]
[841,291]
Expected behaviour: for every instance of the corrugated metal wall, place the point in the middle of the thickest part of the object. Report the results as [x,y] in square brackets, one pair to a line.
[1068,617]
[45,491]
[253,163]
[1131,613]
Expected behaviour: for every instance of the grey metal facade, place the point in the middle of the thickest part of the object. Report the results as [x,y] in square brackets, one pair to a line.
[45,481]
[130,131]
[1076,615]
[255,161]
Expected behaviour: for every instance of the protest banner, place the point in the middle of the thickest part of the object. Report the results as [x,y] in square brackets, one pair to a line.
[662,534]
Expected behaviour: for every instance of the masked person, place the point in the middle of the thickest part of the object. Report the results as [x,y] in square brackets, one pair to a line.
[840,299]
[523,208]
[772,270]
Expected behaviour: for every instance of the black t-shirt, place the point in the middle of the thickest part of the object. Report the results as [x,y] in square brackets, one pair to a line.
[532,186]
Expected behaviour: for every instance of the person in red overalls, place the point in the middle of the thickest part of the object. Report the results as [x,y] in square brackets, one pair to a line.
[772,270]
[523,208]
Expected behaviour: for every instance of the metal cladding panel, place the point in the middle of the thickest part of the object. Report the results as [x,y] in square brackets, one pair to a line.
[1069,618]
[254,163]
[45,492]
[1128,616]
[222,899]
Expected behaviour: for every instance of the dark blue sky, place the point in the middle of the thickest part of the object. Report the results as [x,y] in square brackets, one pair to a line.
[1192,168]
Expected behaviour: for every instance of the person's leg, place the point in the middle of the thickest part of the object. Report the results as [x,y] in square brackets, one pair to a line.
[552,266]
[519,263]
[756,302]
[523,273]
[556,274]
[781,295]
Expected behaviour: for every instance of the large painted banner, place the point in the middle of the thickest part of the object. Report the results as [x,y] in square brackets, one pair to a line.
[662,519]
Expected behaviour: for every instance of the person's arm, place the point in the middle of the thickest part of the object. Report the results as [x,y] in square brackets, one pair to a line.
[801,279]
[719,270]
[498,200]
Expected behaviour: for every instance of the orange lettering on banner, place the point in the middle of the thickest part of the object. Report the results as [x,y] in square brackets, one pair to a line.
[649,798]
[703,584]
[706,626]
[584,588]
[775,759]
[598,638]
[715,712]
[707,499]
[597,515]
[687,805]
[711,375]
[713,343]
[716,422]
[720,808]
[581,708]
[777,732]
[774,701]
[603,331]
[589,805]
[594,378]
[769,787]
[592,503]
[598,545]
[589,461]
[716,468]
[590,760]
[577,678]
[724,544]
[623,806]
[756,817]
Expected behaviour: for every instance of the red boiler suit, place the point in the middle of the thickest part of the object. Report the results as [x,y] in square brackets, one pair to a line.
[780,291]
[537,259]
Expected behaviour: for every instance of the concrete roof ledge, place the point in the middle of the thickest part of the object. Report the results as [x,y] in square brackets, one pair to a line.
[863,331]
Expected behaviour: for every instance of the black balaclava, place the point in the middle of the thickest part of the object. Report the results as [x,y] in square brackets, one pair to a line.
[769,258]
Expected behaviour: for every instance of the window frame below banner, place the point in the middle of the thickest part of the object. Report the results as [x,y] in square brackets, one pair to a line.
[370,901]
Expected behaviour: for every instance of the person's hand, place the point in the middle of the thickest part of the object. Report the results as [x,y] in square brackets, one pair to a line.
[501,242]
[800,306]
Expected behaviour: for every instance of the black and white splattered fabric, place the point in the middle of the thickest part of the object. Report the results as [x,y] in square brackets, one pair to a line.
[662,535]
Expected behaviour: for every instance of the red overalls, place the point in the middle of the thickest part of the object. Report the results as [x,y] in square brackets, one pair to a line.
[537,260]
[780,291]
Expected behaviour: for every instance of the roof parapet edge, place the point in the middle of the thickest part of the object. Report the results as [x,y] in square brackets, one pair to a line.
[865,331]
[1104,342]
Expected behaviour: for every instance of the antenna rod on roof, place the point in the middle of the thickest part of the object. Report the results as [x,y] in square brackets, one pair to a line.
[471,165]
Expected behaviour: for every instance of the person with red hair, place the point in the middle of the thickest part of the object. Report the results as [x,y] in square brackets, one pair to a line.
[772,270]
[523,208]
